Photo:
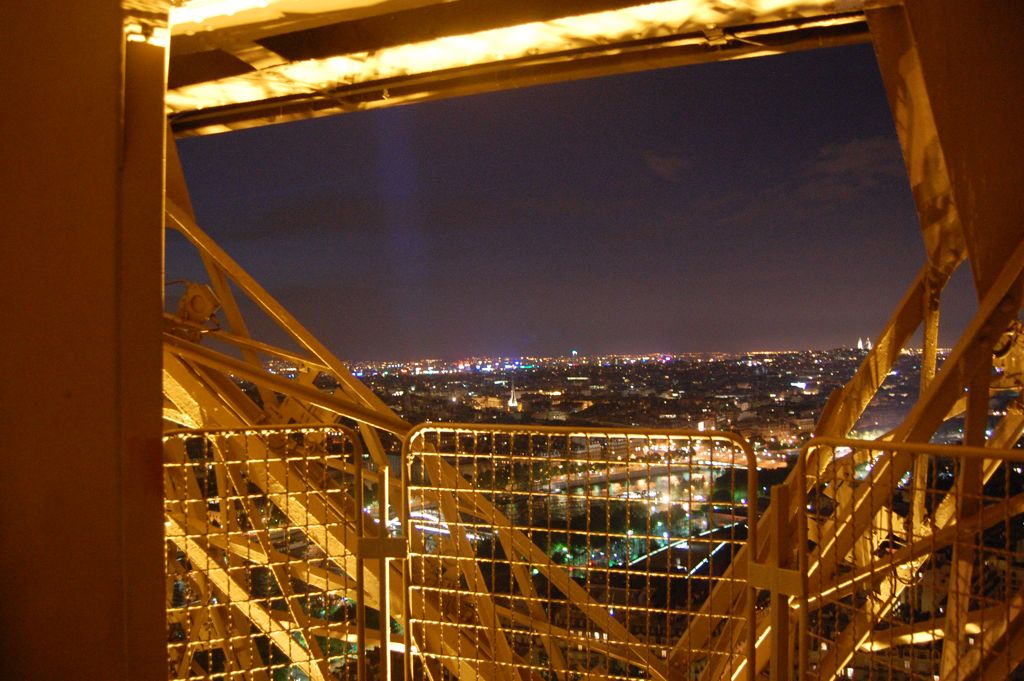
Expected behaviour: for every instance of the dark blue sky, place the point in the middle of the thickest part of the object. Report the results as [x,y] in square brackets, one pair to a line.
[759,204]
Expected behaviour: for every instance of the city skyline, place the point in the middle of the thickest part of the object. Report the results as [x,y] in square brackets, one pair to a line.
[515,361]
[684,210]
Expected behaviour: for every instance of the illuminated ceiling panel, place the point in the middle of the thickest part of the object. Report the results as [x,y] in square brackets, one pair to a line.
[239,63]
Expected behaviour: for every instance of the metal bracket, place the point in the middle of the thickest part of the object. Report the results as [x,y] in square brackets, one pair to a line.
[377,548]
[775,579]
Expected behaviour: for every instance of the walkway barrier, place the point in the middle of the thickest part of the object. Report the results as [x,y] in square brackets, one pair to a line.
[565,553]
[507,552]
[909,563]
[262,565]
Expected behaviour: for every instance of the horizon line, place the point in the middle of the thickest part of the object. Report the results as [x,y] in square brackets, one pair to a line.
[618,355]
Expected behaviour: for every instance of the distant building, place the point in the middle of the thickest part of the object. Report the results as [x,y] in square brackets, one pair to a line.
[513,403]
[488,402]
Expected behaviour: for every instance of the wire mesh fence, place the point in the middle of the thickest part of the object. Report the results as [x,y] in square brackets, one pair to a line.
[261,532]
[556,553]
[914,564]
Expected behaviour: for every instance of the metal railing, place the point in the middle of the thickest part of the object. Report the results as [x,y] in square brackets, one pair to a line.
[566,553]
[561,553]
[261,532]
[552,552]
[908,563]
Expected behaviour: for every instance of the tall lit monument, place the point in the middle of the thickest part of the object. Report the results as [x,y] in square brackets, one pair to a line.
[513,403]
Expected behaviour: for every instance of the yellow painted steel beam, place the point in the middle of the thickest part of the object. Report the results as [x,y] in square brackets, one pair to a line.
[313,396]
[925,414]
[1000,304]
[239,597]
[326,524]
[840,414]
[233,467]
[354,388]
[858,632]
[538,618]
[925,161]
[221,268]
[246,77]
[1004,660]
[476,505]
[969,487]
[484,606]
[976,94]
[949,530]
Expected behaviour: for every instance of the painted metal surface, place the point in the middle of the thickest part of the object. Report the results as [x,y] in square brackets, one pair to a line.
[853,543]
[236,63]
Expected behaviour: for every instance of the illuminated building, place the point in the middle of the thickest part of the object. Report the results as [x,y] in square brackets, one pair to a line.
[907,571]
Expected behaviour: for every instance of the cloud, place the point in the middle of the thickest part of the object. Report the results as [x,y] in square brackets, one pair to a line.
[668,167]
[292,215]
[847,170]
[840,179]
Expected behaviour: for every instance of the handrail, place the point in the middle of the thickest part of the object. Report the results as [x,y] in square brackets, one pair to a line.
[576,431]
[869,575]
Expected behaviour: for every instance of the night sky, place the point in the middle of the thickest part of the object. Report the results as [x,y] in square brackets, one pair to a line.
[758,204]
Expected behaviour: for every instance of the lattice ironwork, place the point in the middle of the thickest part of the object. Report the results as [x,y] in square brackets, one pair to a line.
[558,553]
[913,566]
[261,531]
